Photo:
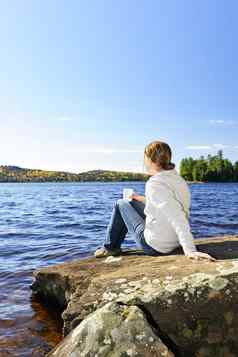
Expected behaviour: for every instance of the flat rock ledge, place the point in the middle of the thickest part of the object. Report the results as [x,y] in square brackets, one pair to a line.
[140,305]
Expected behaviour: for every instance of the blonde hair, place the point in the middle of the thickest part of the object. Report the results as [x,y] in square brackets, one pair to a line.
[160,153]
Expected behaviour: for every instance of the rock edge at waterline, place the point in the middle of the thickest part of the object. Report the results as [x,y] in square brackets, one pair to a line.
[187,307]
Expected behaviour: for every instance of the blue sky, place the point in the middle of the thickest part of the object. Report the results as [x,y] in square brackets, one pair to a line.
[87,84]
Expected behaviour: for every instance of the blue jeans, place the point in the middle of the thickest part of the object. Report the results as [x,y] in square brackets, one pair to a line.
[128,216]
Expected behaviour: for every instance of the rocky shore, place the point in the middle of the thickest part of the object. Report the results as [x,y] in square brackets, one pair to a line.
[139,305]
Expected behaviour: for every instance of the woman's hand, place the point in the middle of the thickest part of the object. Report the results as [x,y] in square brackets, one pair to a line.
[137,197]
[197,255]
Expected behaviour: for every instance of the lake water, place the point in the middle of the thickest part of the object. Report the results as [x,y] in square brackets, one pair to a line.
[47,223]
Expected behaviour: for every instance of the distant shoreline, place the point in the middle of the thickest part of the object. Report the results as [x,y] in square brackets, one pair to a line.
[106,181]
[15,174]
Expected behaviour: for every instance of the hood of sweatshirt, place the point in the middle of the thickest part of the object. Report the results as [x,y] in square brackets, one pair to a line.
[164,174]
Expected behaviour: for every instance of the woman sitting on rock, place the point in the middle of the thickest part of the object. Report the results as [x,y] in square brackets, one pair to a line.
[159,221]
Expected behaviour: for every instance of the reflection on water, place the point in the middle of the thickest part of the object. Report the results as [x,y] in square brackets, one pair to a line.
[28,327]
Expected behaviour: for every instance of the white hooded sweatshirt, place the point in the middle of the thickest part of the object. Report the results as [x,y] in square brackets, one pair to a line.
[167,204]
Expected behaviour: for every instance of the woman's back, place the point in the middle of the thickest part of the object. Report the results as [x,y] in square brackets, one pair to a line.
[167,211]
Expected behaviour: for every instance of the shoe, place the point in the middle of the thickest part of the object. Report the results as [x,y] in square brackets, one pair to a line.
[104,252]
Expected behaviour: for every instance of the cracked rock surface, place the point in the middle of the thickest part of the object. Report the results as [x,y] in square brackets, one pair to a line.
[113,330]
[188,307]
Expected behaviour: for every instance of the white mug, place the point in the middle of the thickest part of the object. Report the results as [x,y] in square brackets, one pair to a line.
[126,193]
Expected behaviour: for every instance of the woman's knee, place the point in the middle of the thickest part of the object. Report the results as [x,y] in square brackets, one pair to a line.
[121,202]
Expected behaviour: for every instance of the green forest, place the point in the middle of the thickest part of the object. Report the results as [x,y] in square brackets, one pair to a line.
[213,168]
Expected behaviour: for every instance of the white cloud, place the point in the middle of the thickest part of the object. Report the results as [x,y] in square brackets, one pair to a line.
[64,118]
[221,122]
[220,146]
[212,121]
[103,149]
[110,151]
[198,147]
[206,147]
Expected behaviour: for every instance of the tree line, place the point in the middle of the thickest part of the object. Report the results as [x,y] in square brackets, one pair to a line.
[213,168]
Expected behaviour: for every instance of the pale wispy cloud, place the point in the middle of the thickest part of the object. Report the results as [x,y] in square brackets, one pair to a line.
[64,118]
[221,122]
[105,150]
[220,146]
[205,147]
[198,147]
[211,147]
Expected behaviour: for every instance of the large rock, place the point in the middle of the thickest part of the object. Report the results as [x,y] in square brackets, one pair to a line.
[192,305]
[113,330]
